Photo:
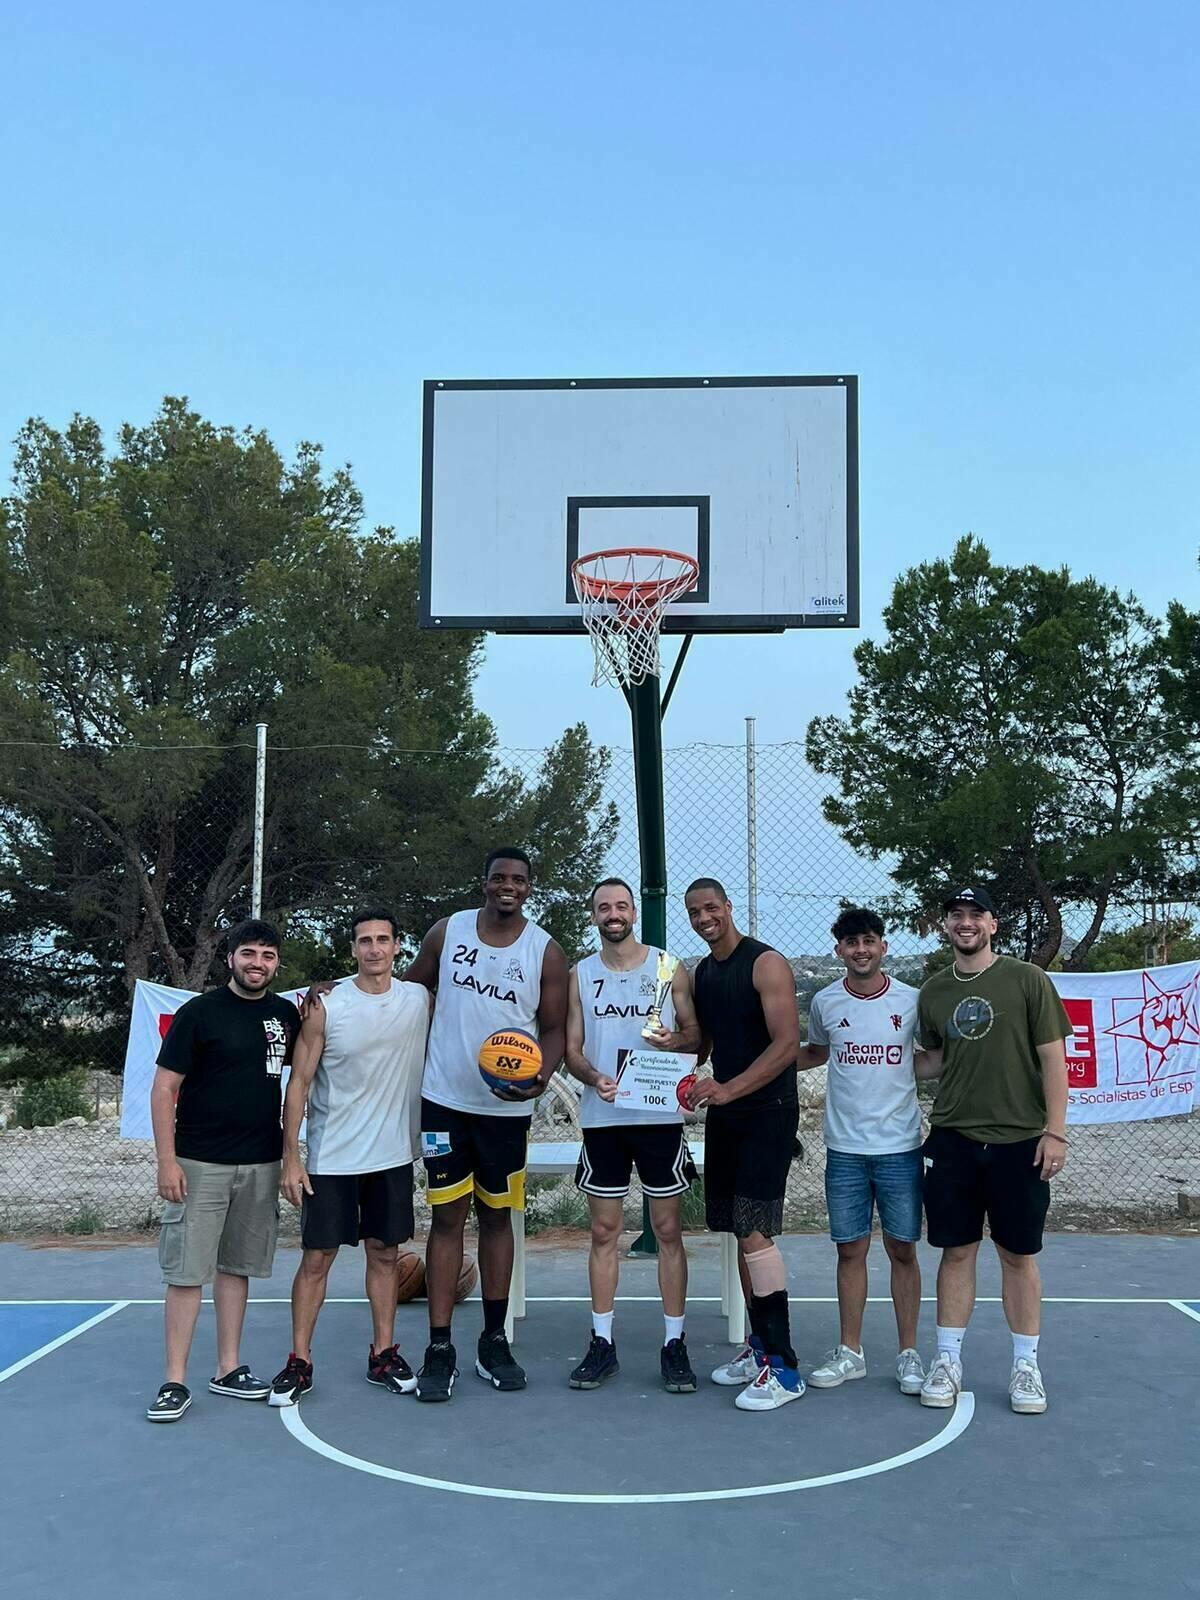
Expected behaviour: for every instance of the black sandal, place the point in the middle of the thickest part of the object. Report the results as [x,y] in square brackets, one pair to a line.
[171,1401]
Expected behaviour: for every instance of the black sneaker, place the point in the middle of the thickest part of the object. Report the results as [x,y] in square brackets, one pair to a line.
[677,1374]
[171,1401]
[295,1379]
[435,1381]
[241,1384]
[599,1363]
[495,1362]
[390,1371]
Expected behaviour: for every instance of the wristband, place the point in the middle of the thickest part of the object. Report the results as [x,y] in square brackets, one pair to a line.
[1061,1137]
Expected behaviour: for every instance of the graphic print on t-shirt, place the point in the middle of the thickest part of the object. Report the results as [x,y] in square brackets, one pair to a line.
[276,1046]
[972,1018]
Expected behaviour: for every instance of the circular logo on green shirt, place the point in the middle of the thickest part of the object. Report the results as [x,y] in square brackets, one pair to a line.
[972,1019]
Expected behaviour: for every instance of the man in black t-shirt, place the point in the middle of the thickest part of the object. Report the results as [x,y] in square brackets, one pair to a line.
[215,1106]
[745,999]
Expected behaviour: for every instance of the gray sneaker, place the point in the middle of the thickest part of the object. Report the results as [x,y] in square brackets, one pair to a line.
[744,1367]
[838,1366]
[910,1372]
[944,1383]
[1026,1391]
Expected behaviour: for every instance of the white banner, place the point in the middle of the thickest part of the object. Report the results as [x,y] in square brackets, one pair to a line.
[153,1007]
[1135,1049]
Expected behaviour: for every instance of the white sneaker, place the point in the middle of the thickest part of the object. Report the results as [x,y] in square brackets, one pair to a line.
[942,1386]
[910,1372]
[774,1387]
[1026,1391]
[743,1368]
[838,1365]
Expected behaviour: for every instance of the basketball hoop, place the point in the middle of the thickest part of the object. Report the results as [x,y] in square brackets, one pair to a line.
[623,597]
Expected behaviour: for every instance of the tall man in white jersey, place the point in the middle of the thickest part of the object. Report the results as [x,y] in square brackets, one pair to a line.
[358,1066]
[863,1025]
[609,1000]
[490,968]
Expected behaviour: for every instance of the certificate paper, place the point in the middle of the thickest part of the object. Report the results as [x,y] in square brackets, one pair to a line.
[647,1080]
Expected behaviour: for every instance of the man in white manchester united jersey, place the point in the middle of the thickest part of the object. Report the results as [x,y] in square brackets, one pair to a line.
[610,997]
[863,1027]
[489,968]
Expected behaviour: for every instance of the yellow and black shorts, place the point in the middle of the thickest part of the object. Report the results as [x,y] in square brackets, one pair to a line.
[467,1152]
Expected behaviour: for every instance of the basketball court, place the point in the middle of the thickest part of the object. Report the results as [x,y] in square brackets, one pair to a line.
[630,509]
[856,1492]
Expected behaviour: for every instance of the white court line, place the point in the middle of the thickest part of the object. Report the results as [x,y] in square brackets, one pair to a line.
[653,1299]
[957,1424]
[63,1338]
[1187,1310]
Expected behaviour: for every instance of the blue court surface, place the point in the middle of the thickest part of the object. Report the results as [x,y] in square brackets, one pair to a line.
[854,1493]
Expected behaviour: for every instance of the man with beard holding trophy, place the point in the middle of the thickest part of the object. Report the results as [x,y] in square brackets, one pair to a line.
[621,1000]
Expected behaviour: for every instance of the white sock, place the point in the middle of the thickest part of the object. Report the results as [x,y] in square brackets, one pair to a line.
[674,1327]
[602,1322]
[1025,1347]
[950,1340]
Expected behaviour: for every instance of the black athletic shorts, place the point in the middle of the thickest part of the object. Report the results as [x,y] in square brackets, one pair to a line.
[748,1152]
[966,1181]
[346,1207]
[658,1151]
[468,1152]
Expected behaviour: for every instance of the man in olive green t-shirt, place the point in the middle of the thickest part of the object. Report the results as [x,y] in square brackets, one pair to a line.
[993,1030]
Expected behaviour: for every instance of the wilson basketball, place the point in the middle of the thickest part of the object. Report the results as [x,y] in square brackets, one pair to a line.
[467,1278]
[410,1277]
[510,1056]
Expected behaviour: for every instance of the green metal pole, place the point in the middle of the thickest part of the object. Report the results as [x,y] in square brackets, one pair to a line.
[646,709]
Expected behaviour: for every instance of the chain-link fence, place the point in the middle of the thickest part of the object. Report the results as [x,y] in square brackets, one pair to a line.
[149,857]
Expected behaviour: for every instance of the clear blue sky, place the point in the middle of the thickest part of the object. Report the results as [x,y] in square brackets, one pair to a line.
[294,213]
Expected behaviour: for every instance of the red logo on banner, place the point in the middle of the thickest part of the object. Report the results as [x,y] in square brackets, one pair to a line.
[164,1023]
[1081,1046]
[1158,1023]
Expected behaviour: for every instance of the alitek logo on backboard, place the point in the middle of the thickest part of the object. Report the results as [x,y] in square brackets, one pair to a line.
[829,602]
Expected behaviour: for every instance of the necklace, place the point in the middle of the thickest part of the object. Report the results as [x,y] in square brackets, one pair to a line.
[971,976]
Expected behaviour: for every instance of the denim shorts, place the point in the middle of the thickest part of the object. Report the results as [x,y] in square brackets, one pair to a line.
[856,1185]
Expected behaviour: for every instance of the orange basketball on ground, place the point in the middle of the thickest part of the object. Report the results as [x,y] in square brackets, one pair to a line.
[509,1056]
[410,1277]
[467,1278]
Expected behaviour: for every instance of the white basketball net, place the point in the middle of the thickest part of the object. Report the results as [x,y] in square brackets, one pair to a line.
[623,596]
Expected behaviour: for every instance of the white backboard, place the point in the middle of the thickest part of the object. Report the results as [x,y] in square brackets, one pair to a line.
[755,477]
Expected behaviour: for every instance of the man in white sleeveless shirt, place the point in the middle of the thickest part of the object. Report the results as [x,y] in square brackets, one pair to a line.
[609,999]
[490,968]
[358,1066]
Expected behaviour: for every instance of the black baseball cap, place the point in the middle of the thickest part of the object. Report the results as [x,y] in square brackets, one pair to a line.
[971,897]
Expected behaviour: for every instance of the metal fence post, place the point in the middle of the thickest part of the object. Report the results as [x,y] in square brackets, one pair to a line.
[260,808]
[751,833]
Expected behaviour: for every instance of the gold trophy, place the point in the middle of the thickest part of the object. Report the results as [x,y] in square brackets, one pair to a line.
[662,989]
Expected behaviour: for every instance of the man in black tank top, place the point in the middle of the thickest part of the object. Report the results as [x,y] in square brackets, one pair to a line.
[746,1005]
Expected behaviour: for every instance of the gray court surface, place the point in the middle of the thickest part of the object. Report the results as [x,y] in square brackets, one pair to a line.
[357,1493]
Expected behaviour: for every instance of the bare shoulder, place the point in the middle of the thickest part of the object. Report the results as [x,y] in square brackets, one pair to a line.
[554,958]
[771,969]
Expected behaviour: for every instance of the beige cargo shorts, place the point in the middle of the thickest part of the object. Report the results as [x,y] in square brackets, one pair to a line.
[228,1222]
